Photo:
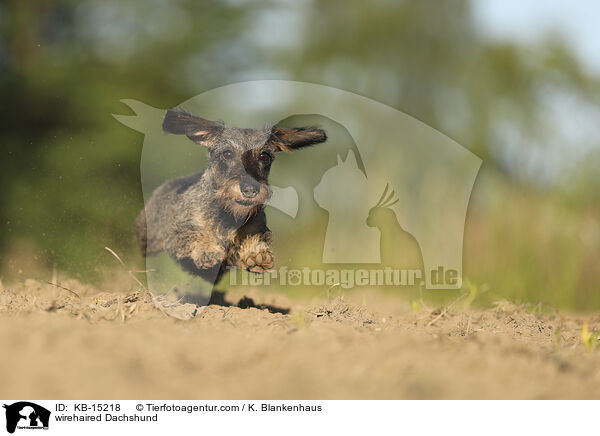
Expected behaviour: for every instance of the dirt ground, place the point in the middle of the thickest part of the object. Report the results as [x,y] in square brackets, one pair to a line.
[81,343]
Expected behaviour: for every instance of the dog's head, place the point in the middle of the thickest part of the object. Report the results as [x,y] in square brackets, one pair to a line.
[240,159]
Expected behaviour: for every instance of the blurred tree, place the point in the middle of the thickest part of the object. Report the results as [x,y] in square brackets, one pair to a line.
[429,60]
[70,176]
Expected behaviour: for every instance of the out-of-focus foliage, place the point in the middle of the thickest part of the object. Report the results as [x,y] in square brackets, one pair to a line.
[69,183]
[70,172]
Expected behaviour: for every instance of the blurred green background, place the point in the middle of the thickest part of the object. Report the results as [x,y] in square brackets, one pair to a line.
[517,85]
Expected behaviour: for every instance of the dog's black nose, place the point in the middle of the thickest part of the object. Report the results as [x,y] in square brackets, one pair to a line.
[249,188]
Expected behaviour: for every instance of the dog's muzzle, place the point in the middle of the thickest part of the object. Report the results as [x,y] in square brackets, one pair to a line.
[249,187]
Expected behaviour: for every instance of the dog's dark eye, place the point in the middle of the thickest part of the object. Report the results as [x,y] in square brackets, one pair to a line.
[265,157]
[227,154]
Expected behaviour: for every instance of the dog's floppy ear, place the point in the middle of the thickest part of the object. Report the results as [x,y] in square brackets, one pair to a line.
[289,139]
[199,130]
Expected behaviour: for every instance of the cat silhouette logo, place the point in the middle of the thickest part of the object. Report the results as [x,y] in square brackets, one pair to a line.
[386,191]
[26,415]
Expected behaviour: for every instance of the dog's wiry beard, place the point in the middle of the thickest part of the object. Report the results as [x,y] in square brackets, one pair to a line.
[230,198]
[241,212]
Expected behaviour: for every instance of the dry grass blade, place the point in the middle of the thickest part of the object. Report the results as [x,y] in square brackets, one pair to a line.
[175,310]
[61,287]
[445,311]
[129,272]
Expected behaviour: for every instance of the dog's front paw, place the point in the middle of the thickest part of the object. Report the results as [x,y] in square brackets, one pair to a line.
[256,256]
[258,262]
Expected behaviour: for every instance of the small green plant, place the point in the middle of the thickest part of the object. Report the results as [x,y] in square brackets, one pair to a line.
[590,340]
[472,292]
[416,306]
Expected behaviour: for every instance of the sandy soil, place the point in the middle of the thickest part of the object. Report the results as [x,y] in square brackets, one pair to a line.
[101,345]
